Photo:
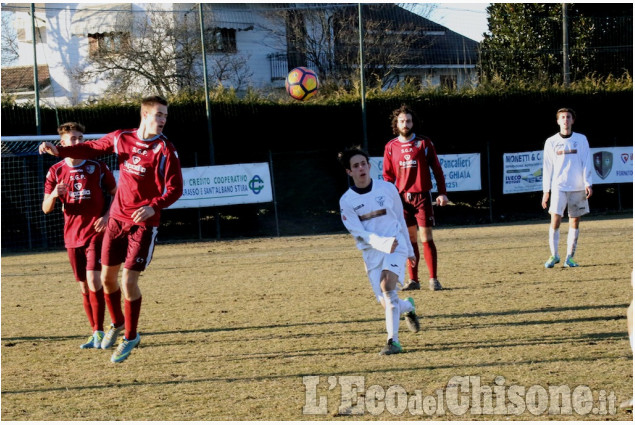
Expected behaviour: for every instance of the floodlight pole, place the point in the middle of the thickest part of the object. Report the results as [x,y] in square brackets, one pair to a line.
[36,85]
[565,46]
[207,105]
[361,75]
[212,159]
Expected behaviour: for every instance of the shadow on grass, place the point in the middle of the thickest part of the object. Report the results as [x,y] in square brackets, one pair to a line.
[12,341]
[399,367]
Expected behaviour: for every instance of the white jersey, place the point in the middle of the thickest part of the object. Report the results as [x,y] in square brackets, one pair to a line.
[567,163]
[375,218]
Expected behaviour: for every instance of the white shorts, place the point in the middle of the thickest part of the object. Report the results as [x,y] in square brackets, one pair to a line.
[576,203]
[376,261]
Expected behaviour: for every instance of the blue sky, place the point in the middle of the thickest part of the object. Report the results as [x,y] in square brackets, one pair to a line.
[468,19]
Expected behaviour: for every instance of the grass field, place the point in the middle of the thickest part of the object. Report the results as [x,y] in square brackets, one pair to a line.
[230,328]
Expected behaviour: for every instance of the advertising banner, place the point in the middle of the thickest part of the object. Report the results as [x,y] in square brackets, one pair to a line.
[462,172]
[225,185]
[522,172]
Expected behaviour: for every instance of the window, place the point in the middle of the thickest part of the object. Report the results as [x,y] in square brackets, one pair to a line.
[221,40]
[448,81]
[107,43]
[24,35]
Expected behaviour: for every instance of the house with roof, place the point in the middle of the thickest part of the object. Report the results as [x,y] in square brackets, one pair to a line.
[258,42]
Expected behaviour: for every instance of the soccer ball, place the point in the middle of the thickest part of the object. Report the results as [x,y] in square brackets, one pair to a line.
[301,83]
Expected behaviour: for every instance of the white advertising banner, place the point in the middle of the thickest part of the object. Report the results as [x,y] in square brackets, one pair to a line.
[462,172]
[522,172]
[218,185]
[613,165]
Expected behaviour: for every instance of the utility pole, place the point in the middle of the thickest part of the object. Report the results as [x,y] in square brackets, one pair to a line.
[566,73]
[208,111]
[361,75]
[36,85]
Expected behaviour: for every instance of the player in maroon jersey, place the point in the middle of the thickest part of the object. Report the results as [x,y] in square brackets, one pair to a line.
[80,184]
[149,180]
[407,162]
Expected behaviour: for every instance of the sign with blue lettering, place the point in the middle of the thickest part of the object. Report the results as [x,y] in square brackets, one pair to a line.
[522,172]
[462,171]
[612,165]
[225,185]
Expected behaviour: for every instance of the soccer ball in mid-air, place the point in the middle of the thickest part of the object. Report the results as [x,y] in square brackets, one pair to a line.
[301,83]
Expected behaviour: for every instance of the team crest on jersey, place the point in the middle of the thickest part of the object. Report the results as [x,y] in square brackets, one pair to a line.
[156,148]
[417,144]
[90,169]
[380,200]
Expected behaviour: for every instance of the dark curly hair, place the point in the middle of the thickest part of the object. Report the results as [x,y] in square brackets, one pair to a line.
[403,109]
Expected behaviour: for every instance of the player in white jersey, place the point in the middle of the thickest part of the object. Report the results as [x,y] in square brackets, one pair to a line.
[372,212]
[566,173]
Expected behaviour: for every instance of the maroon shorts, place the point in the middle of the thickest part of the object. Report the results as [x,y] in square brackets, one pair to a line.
[131,244]
[417,209]
[85,257]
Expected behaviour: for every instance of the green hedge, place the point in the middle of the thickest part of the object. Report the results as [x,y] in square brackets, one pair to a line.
[304,139]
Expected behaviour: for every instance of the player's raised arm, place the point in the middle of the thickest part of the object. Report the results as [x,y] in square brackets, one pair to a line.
[48,147]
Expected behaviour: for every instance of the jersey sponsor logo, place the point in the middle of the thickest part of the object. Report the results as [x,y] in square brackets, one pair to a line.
[372,214]
[143,145]
[79,194]
[358,207]
[77,186]
[406,150]
[566,151]
[135,168]
[77,177]
[407,157]
[412,163]
[136,160]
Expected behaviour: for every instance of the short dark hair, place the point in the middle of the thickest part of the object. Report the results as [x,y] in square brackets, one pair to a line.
[67,127]
[569,110]
[403,109]
[345,156]
[150,101]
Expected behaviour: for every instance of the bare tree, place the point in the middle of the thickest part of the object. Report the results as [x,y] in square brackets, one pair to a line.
[9,39]
[326,37]
[158,51]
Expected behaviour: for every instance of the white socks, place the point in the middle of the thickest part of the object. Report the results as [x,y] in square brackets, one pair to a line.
[392,314]
[554,240]
[572,241]
[394,309]
[404,307]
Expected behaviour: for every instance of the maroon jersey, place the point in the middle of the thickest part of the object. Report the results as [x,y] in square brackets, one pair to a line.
[149,172]
[83,203]
[407,165]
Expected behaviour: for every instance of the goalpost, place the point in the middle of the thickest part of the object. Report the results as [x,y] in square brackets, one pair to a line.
[23,171]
